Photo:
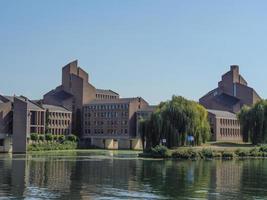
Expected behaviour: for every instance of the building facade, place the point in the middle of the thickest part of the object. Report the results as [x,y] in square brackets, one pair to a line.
[225,101]
[231,94]
[224,126]
[111,124]
[58,120]
[74,92]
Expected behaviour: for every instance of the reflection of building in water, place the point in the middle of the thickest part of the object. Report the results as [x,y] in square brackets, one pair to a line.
[52,173]
[226,176]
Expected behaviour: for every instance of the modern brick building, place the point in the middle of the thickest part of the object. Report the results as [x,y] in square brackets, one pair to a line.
[231,94]
[58,120]
[224,126]
[74,92]
[6,120]
[111,123]
[225,101]
[20,117]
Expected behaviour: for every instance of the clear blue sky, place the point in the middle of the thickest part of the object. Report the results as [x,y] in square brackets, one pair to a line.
[148,48]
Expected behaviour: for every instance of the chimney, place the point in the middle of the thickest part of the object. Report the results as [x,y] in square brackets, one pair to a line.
[235,68]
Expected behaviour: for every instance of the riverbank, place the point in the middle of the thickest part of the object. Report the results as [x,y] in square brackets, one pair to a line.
[215,151]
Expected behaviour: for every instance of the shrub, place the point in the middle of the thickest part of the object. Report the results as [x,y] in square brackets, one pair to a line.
[217,154]
[160,152]
[49,137]
[41,137]
[61,138]
[55,137]
[255,152]
[263,148]
[242,153]
[72,138]
[67,145]
[34,136]
[207,153]
[228,155]
[185,154]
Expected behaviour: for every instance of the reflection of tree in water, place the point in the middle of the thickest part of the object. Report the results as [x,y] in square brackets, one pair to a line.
[225,179]
[254,176]
[177,178]
[5,175]
[74,177]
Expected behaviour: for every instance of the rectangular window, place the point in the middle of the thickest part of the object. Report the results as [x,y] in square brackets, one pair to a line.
[1,142]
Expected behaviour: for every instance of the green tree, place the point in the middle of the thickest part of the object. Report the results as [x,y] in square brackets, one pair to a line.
[174,120]
[253,121]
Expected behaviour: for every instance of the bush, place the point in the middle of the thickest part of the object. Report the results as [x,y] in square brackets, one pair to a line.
[185,154]
[228,155]
[41,137]
[242,153]
[263,148]
[67,145]
[72,138]
[160,152]
[255,152]
[49,137]
[61,138]
[207,153]
[55,137]
[34,136]
[217,154]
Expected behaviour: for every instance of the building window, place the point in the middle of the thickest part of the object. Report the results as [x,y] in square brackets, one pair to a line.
[1,142]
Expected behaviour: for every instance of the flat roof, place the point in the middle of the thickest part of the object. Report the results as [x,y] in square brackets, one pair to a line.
[220,113]
[107,92]
[110,101]
[55,108]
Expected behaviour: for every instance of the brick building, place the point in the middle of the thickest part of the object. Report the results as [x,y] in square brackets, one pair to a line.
[58,120]
[225,101]
[111,123]
[74,92]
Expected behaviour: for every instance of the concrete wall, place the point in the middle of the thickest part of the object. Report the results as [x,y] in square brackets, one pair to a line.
[20,126]
[136,144]
[124,144]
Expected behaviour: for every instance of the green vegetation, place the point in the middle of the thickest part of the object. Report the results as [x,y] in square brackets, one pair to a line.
[34,136]
[72,138]
[66,145]
[48,137]
[174,120]
[192,153]
[253,122]
[50,142]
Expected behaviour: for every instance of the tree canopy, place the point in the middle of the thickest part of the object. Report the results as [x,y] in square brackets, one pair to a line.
[174,120]
[253,121]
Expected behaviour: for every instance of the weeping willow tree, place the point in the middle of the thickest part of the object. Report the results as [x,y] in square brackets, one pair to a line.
[174,120]
[253,121]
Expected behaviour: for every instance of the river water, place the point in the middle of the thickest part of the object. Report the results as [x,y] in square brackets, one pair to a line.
[122,175]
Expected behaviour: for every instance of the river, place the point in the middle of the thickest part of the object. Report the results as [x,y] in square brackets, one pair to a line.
[122,175]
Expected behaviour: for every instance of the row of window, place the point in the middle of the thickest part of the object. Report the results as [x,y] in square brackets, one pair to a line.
[104,96]
[124,122]
[58,131]
[59,122]
[59,115]
[109,131]
[106,107]
[231,122]
[229,132]
[106,114]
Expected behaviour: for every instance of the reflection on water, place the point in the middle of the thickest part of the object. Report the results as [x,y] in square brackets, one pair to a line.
[113,175]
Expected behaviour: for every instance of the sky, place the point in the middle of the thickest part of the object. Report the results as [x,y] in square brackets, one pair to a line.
[148,48]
